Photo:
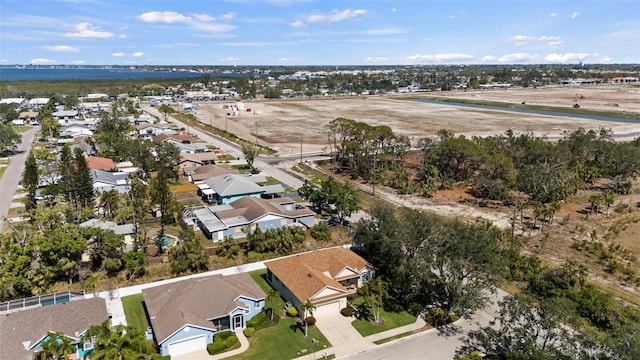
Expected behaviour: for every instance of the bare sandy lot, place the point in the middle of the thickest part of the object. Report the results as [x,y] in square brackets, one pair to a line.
[283,125]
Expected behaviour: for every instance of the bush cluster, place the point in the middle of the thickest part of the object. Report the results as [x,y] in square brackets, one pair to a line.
[248,332]
[222,342]
[292,311]
[310,320]
[347,311]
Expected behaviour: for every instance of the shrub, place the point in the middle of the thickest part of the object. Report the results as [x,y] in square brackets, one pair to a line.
[292,311]
[347,311]
[310,320]
[231,341]
[257,320]
[224,334]
[216,347]
[248,332]
[321,232]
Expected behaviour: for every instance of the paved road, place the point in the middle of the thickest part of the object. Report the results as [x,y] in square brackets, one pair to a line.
[432,344]
[234,150]
[13,173]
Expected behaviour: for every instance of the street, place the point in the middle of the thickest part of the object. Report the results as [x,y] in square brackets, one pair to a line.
[13,173]
[433,344]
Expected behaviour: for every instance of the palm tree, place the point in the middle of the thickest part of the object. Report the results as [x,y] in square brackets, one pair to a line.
[307,307]
[120,342]
[272,296]
[608,197]
[109,200]
[55,346]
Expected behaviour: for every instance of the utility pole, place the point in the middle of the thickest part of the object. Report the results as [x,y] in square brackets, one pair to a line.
[300,148]
[256,132]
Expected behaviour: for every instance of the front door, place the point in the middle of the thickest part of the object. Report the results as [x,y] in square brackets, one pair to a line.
[237,322]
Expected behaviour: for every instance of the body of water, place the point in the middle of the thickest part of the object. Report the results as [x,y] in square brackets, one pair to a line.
[16,74]
[533,111]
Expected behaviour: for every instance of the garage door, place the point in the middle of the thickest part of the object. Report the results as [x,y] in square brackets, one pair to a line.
[331,309]
[188,345]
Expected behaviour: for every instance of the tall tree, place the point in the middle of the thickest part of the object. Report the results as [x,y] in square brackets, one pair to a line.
[83,183]
[65,171]
[8,137]
[165,110]
[189,255]
[250,152]
[30,180]
[118,343]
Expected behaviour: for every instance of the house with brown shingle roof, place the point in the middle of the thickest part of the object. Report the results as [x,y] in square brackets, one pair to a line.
[190,160]
[186,315]
[324,277]
[22,332]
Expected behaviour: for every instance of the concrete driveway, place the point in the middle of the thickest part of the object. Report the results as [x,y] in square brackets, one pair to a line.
[344,338]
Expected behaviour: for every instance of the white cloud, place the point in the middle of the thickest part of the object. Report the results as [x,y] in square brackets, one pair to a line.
[393,9]
[439,57]
[425,40]
[118,54]
[202,17]
[375,59]
[489,58]
[229,59]
[298,24]
[336,15]
[551,40]
[606,59]
[122,36]
[137,54]
[517,57]
[565,58]
[228,16]
[213,27]
[5,60]
[77,62]
[62,48]
[284,59]
[41,61]
[575,14]
[521,40]
[164,16]
[553,14]
[555,43]
[87,30]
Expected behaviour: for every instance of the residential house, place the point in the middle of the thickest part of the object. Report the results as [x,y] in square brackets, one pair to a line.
[232,220]
[65,116]
[324,277]
[100,163]
[200,173]
[18,122]
[231,187]
[22,332]
[105,181]
[29,117]
[37,103]
[75,131]
[127,231]
[191,160]
[151,130]
[184,142]
[186,315]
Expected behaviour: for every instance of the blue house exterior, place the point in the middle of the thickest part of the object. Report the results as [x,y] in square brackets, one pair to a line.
[186,315]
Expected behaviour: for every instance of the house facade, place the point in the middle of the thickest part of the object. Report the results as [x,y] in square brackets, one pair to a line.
[233,220]
[231,187]
[23,332]
[105,181]
[186,315]
[324,277]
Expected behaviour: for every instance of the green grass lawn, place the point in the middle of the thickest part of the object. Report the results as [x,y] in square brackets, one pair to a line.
[283,341]
[391,321]
[22,129]
[134,312]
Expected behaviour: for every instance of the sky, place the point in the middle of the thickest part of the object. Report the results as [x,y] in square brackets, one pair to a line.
[322,32]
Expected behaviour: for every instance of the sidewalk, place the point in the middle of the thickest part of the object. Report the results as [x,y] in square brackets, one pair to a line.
[345,348]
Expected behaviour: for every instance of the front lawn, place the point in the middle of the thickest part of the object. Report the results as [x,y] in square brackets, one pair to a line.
[283,341]
[390,320]
[134,312]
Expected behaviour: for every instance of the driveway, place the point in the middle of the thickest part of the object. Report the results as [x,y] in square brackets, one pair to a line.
[344,338]
[13,173]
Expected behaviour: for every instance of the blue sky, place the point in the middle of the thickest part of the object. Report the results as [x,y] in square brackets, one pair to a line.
[322,32]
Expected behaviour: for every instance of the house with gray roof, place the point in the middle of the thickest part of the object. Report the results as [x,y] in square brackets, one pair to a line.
[105,181]
[220,221]
[231,187]
[127,231]
[22,332]
[186,315]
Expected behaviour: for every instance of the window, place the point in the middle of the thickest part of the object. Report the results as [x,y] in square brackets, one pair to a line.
[256,304]
[88,344]
[365,277]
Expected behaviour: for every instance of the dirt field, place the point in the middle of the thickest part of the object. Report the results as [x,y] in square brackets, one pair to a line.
[280,124]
